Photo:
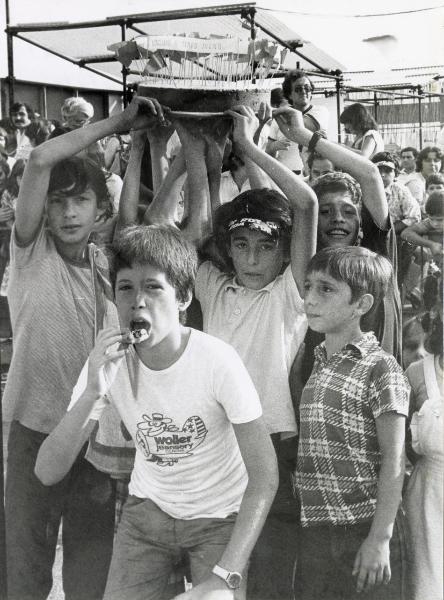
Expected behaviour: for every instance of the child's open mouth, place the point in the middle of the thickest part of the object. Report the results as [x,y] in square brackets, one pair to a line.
[338,233]
[139,331]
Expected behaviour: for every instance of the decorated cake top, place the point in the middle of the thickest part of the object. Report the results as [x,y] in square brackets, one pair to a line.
[195,62]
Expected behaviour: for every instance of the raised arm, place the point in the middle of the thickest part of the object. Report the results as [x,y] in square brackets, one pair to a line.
[300,195]
[111,149]
[34,185]
[199,215]
[164,205]
[364,171]
[129,198]
[215,135]
[158,136]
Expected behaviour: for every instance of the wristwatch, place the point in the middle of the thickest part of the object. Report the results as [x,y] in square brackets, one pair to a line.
[231,578]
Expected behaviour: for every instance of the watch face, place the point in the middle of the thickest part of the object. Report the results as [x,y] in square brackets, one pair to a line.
[234,580]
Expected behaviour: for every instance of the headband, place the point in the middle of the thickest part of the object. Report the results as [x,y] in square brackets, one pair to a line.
[268,227]
[386,163]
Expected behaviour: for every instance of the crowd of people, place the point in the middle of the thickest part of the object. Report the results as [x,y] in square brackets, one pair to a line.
[211,380]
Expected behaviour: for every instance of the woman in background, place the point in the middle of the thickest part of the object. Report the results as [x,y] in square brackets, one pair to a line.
[358,121]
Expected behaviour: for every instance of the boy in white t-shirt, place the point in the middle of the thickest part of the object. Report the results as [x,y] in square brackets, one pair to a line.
[205,471]
[249,290]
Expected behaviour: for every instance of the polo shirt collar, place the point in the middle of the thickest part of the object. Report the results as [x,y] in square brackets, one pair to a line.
[234,285]
[364,346]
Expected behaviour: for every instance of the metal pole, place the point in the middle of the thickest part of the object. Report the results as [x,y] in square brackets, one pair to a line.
[3,571]
[3,585]
[124,69]
[420,115]
[375,103]
[338,107]
[78,63]
[10,54]
[252,12]
[44,102]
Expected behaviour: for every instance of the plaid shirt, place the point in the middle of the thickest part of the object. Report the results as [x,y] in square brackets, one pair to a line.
[338,459]
[402,206]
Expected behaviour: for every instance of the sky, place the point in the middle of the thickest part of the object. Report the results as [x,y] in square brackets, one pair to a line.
[48,10]
[413,37]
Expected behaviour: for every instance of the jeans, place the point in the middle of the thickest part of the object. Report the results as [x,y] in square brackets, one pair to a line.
[325,562]
[84,499]
[150,542]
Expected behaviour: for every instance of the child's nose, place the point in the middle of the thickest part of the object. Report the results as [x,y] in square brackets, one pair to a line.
[337,215]
[308,298]
[140,301]
[252,256]
[69,208]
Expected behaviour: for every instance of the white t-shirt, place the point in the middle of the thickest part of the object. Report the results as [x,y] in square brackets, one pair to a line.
[187,458]
[415,182]
[265,326]
[228,188]
[114,186]
[370,134]
[290,157]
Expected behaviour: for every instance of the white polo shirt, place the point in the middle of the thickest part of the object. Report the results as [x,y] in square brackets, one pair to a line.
[266,328]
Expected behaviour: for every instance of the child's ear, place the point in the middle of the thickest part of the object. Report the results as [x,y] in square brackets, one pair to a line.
[184,304]
[359,236]
[365,303]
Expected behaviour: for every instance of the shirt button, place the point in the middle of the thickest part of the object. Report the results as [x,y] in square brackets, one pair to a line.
[237,311]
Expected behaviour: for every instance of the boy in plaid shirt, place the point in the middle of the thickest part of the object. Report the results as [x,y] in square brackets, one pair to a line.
[350,464]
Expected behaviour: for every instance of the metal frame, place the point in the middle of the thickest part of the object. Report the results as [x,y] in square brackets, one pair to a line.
[420,95]
[246,11]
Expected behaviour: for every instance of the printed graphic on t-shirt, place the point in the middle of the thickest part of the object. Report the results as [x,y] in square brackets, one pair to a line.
[165,443]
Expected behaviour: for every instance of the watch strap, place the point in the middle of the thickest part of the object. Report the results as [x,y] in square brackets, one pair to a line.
[233,579]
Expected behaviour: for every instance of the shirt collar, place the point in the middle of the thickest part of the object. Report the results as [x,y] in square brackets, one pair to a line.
[234,285]
[364,346]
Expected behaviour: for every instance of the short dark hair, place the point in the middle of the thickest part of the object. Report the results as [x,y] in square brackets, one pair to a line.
[386,157]
[276,96]
[39,131]
[18,105]
[364,271]
[434,206]
[434,178]
[312,156]
[74,175]
[359,117]
[4,166]
[338,182]
[161,246]
[264,204]
[423,155]
[290,78]
[17,171]
[414,151]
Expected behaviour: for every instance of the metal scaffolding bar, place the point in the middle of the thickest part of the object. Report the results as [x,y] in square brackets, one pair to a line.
[73,61]
[246,11]
[169,15]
